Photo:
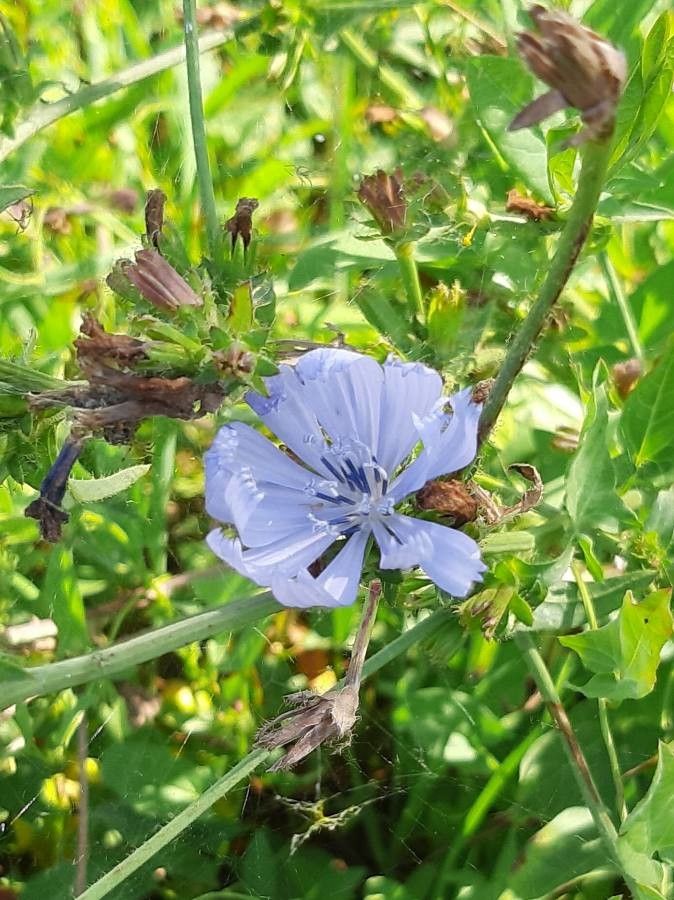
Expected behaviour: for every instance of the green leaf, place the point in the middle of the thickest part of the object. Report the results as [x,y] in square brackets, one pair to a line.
[646,93]
[591,497]
[499,88]
[647,422]
[92,489]
[240,318]
[649,828]
[624,654]
[563,849]
[13,193]
[61,600]
[563,609]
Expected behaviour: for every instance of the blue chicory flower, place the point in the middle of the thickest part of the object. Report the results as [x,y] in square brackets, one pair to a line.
[350,423]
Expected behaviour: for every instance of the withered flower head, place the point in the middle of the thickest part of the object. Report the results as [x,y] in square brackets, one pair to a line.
[241,223]
[582,69]
[626,374]
[159,283]
[449,498]
[384,197]
[47,507]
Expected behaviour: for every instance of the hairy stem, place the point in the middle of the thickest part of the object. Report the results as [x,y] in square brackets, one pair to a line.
[213,230]
[42,115]
[601,701]
[410,278]
[571,240]
[574,752]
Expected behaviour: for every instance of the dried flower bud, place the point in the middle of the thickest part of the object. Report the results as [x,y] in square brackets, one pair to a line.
[583,69]
[235,360]
[384,197]
[158,282]
[451,498]
[482,390]
[154,215]
[241,223]
[47,507]
[95,343]
[626,374]
[518,203]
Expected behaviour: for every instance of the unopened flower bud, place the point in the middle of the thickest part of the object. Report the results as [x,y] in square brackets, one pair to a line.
[582,69]
[159,283]
[384,197]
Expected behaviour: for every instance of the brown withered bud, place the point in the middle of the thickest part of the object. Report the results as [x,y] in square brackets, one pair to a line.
[94,342]
[582,69]
[626,374]
[449,498]
[518,203]
[241,223]
[235,360]
[383,196]
[155,202]
[159,283]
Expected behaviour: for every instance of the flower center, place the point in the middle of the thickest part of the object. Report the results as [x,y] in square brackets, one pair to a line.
[354,495]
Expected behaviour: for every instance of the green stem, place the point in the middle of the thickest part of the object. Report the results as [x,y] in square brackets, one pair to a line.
[176,826]
[247,765]
[571,240]
[574,752]
[604,724]
[410,277]
[111,661]
[69,673]
[43,115]
[617,294]
[213,230]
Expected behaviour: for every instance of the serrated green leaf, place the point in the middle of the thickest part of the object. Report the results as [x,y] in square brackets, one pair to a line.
[91,489]
[624,654]
[647,422]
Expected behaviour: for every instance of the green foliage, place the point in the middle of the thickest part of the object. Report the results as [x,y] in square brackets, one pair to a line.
[624,654]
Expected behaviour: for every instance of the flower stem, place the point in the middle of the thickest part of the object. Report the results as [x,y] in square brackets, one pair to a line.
[601,701]
[574,752]
[410,277]
[572,238]
[213,231]
[82,860]
[369,614]
[176,826]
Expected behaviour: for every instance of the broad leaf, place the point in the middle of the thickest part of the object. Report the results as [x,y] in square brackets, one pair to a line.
[624,654]
[647,422]
[61,600]
[649,828]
